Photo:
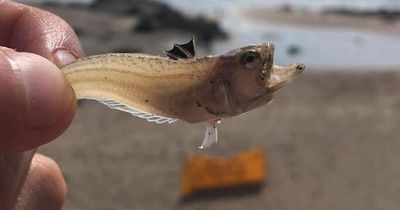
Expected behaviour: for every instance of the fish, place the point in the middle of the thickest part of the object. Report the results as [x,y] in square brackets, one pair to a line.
[181,86]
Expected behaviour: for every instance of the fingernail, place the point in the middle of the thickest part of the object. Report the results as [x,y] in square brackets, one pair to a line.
[63,57]
[48,95]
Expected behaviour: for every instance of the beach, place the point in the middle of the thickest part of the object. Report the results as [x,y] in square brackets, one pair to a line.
[331,136]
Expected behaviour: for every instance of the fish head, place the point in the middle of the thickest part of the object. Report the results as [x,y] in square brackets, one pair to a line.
[254,73]
[246,78]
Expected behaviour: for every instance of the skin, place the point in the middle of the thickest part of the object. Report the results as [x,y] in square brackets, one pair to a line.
[36,105]
[192,89]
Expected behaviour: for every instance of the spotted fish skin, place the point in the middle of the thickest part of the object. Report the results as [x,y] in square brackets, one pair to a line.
[204,89]
[151,84]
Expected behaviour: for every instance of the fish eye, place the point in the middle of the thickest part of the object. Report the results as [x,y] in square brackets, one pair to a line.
[250,59]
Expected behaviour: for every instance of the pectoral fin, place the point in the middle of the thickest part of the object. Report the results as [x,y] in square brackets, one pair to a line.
[211,136]
[182,51]
[135,112]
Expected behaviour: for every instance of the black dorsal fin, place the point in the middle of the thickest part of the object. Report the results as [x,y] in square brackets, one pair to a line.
[182,51]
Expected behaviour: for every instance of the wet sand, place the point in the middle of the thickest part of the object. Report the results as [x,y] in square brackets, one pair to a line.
[332,141]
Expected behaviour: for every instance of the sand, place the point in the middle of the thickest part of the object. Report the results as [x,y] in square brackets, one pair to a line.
[332,139]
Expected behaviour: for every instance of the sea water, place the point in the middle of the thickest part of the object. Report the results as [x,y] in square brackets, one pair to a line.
[318,47]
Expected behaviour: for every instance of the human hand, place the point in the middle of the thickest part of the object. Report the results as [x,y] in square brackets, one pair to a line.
[36,104]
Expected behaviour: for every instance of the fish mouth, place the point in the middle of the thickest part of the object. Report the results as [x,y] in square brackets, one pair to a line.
[281,75]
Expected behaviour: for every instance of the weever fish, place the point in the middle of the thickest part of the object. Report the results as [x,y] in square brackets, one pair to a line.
[192,89]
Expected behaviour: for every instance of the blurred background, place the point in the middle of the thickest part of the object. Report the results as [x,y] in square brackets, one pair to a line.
[331,136]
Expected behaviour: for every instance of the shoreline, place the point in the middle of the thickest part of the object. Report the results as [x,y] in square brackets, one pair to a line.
[321,19]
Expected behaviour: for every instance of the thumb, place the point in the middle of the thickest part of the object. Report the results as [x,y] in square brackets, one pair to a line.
[36,102]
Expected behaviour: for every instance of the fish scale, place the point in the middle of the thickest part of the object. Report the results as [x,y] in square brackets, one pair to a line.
[163,90]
